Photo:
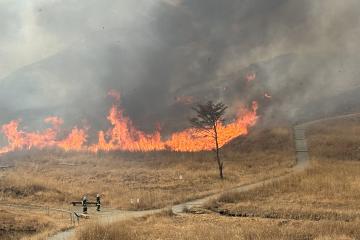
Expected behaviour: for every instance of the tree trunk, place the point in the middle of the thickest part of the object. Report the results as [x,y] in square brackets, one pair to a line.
[221,167]
[220,164]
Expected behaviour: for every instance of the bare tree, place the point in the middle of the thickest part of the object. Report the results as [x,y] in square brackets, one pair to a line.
[208,117]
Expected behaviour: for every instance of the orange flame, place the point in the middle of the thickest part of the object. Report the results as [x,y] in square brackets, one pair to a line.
[18,140]
[75,141]
[192,140]
[124,136]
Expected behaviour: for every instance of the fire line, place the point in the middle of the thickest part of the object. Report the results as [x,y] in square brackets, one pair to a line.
[123,135]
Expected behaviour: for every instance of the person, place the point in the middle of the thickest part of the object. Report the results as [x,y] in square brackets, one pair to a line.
[98,203]
[84,204]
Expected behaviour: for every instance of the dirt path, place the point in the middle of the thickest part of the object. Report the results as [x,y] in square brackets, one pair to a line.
[302,162]
[113,215]
[108,217]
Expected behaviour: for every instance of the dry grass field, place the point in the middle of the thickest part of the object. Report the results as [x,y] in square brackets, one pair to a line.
[22,224]
[214,227]
[53,178]
[335,140]
[320,203]
[156,179]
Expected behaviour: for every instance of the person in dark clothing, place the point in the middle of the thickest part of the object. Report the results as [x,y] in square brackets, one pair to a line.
[84,204]
[98,203]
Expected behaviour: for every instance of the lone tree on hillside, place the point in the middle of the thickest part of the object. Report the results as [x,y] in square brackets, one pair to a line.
[208,117]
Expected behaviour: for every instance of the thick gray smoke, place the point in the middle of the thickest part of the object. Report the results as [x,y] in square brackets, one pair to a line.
[156,51]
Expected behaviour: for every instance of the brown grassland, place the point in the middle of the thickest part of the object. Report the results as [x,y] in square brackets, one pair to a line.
[18,223]
[52,178]
[320,203]
[214,227]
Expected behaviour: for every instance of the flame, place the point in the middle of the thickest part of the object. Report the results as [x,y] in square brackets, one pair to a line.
[124,136]
[75,141]
[14,136]
[18,140]
[192,140]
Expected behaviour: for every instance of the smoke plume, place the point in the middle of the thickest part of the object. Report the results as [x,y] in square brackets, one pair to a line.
[62,57]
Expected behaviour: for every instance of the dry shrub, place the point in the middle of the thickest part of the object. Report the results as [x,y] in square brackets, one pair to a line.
[26,186]
[15,224]
[335,140]
[324,180]
[197,227]
[98,231]
[301,231]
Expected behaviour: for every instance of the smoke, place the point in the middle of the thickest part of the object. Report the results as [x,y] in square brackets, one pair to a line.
[153,51]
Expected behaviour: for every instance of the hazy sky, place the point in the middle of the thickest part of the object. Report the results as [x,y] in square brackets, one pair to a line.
[32,30]
[35,29]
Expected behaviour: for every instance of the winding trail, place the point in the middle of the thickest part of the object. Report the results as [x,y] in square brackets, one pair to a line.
[302,162]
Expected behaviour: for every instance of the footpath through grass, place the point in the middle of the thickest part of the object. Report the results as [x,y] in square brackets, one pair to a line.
[321,203]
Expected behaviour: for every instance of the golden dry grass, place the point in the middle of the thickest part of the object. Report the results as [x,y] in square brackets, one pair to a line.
[19,224]
[329,190]
[156,179]
[213,227]
[334,182]
[321,203]
[335,140]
